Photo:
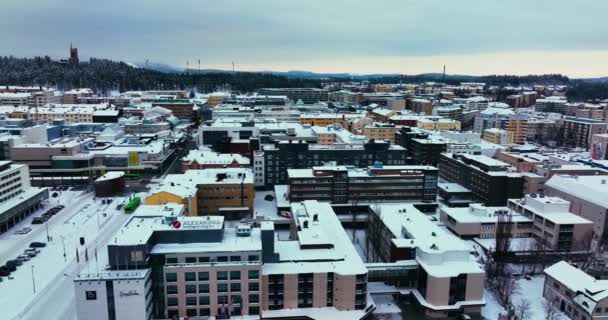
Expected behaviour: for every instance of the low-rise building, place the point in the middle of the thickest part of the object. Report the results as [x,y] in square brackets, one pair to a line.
[205,158]
[575,293]
[380,131]
[438,124]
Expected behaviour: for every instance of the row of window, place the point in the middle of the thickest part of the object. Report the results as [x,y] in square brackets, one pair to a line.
[204,276]
[250,258]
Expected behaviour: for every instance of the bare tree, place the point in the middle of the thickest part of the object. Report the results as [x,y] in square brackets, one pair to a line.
[506,287]
[503,240]
[551,310]
[523,309]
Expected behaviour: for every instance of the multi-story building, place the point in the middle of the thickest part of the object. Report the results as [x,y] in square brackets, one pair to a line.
[503,118]
[478,221]
[575,293]
[578,132]
[421,106]
[14,98]
[324,119]
[306,95]
[164,265]
[442,277]
[586,195]
[497,136]
[380,131]
[17,198]
[228,191]
[277,158]
[438,124]
[555,227]
[340,184]
[490,180]
[410,120]
[205,158]
[335,134]
[551,104]
[450,112]
[183,109]
[599,147]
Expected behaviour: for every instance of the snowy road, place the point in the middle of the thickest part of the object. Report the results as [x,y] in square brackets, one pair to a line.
[53,297]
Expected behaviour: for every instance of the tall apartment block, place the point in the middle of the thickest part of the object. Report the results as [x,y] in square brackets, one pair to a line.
[578,132]
[340,184]
[490,180]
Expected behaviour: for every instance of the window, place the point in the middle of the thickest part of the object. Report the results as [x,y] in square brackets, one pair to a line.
[235,299]
[171,277]
[203,288]
[191,312]
[235,275]
[191,260]
[222,259]
[235,287]
[235,258]
[191,301]
[254,298]
[254,286]
[204,312]
[556,285]
[190,276]
[222,287]
[254,310]
[203,276]
[190,288]
[172,302]
[253,274]
[203,259]
[203,300]
[171,260]
[222,299]
[171,289]
[222,275]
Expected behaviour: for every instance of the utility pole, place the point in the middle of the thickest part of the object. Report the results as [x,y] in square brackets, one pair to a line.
[33,281]
[46,225]
[65,256]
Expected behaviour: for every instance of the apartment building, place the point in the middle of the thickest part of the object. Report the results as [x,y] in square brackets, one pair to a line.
[586,195]
[381,114]
[17,198]
[306,95]
[551,104]
[578,132]
[443,278]
[205,158]
[438,124]
[555,227]
[410,120]
[421,106]
[491,181]
[450,112]
[227,191]
[168,265]
[496,136]
[503,118]
[335,134]
[276,159]
[14,98]
[575,293]
[380,131]
[341,184]
[182,109]
[324,119]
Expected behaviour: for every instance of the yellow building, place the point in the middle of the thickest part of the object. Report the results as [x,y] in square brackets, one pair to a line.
[518,129]
[224,191]
[496,136]
[324,119]
[438,124]
[380,131]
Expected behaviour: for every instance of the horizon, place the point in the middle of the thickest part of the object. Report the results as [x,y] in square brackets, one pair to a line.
[408,37]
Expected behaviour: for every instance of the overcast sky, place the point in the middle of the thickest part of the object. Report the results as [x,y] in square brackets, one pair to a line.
[392,36]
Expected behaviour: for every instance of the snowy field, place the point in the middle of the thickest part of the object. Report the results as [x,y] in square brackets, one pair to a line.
[42,287]
[531,290]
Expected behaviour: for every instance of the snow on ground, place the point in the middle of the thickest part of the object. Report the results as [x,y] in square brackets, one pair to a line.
[530,290]
[517,244]
[359,241]
[83,216]
[386,307]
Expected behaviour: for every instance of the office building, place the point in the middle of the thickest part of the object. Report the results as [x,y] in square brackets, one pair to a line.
[491,181]
[341,184]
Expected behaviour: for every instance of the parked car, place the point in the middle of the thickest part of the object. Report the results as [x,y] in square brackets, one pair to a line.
[14,262]
[23,231]
[36,251]
[38,220]
[5,271]
[11,267]
[60,206]
[23,258]
[37,245]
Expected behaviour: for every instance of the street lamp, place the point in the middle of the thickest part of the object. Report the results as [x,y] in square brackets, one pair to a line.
[33,281]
